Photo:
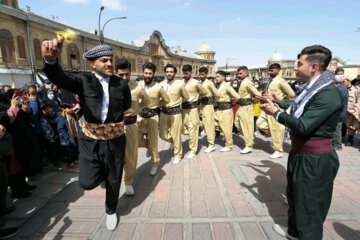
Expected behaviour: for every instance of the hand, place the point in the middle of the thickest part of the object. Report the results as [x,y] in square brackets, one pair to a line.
[269,107]
[14,101]
[275,96]
[51,49]
[2,131]
[264,98]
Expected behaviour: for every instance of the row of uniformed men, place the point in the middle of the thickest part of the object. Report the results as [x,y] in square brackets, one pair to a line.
[180,115]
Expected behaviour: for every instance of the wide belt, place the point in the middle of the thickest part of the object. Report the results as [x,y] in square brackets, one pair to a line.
[315,146]
[207,100]
[130,120]
[172,110]
[224,106]
[103,131]
[189,105]
[245,101]
[148,113]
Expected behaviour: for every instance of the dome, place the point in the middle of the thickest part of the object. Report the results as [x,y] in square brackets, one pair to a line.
[204,47]
[276,57]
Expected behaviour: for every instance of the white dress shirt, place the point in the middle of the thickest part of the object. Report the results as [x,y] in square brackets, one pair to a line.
[105,101]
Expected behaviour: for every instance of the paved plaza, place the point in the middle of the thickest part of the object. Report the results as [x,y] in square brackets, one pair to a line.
[212,196]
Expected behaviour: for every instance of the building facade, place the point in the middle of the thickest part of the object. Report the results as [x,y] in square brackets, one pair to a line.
[22,33]
[261,71]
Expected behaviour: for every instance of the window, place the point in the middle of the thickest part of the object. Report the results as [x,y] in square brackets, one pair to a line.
[37,50]
[133,65]
[73,57]
[21,47]
[7,46]
[140,64]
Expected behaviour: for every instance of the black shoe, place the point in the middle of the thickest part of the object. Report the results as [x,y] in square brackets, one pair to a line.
[7,210]
[8,232]
[29,187]
[21,193]
[348,144]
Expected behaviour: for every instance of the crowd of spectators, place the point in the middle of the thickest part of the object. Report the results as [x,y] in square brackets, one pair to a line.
[38,127]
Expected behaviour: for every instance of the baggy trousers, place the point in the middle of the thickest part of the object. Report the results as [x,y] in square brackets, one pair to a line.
[170,131]
[148,137]
[276,130]
[310,180]
[224,120]
[191,122]
[101,160]
[131,152]
[208,117]
[244,123]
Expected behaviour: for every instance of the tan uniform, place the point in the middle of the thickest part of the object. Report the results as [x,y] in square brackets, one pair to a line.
[244,117]
[267,123]
[208,113]
[171,125]
[352,120]
[138,99]
[190,117]
[149,126]
[224,119]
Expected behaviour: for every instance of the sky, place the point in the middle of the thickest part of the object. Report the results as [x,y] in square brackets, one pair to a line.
[244,32]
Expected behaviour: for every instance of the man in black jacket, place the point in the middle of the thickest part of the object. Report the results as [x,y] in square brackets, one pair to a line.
[103,100]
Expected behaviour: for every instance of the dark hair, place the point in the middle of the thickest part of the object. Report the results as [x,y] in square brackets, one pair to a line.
[169,65]
[275,66]
[122,63]
[222,73]
[204,70]
[187,68]
[31,86]
[243,68]
[339,70]
[150,66]
[317,54]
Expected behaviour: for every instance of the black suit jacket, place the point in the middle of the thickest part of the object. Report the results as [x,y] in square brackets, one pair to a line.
[88,87]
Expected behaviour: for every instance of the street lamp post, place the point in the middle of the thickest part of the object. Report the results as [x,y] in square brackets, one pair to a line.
[102,30]
[101,9]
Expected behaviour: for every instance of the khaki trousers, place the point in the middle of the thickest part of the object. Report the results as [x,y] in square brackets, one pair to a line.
[131,152]
[148,137]
[208,117]
[270,126]
[170,131]
[244,123]
[224,120]
[191,122]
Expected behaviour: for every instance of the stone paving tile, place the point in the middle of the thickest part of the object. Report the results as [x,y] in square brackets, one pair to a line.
[212,196]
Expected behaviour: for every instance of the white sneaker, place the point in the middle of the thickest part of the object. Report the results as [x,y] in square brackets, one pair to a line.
[246,150]
[190,155]
[129,190]
[176,160]
[276,154]
[203,133]
[210,149]
[153,171]
[283,232]
[225,149]
[111,221]
[148,153]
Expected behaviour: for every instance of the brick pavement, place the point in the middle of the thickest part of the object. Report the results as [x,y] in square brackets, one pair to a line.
[212,196]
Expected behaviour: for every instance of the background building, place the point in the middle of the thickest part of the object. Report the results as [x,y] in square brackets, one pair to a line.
[261,71]
[22,33]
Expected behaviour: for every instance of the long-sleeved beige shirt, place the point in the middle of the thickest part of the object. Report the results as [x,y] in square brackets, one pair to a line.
[281,88]
[227,94]
[247,89]
[195,90]
[156,94]
[139,99]
[210,86]
[176,92]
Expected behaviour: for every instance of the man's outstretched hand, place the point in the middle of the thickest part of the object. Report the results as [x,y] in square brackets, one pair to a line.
[51,49]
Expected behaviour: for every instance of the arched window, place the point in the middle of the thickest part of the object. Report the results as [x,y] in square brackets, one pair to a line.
[73,57]
[37,50]
[7,46]
[140,64]
[133,65]
[21,47]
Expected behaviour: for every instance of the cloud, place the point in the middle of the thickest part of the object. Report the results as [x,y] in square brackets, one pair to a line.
[115,5]
[186,4]
[77,1]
